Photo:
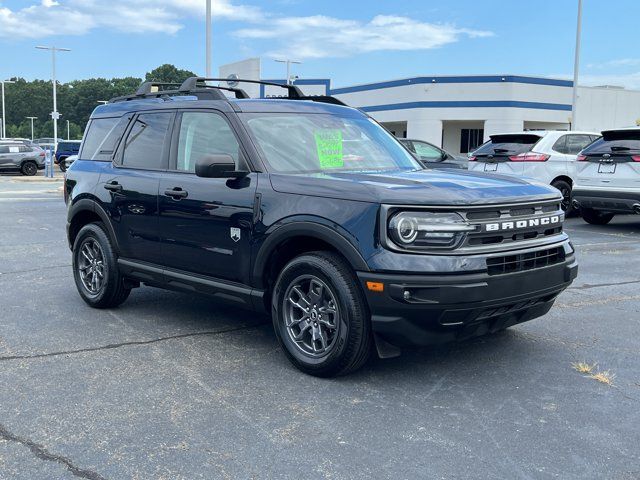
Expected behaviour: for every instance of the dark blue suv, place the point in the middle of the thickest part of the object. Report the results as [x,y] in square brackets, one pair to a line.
[310,211]
[66,148]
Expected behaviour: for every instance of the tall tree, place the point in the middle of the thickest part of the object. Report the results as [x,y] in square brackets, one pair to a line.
[168,73]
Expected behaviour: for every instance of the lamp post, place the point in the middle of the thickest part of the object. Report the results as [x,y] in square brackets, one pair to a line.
[54,115]
[576,68]
[68,130]
[32,119]
[289,62]
[103,102]
[208,41]
[4,118]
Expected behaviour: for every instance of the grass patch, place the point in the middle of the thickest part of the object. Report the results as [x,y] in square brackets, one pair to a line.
[605,377]
[583,367]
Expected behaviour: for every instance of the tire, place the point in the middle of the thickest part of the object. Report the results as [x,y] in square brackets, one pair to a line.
[594,217]
[111,291]
[349,344]
[29,168]
[62,165]
[565,189]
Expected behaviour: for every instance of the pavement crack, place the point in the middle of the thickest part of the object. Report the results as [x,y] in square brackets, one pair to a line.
[66,265]
[597,285]
[43,454]
[131,343]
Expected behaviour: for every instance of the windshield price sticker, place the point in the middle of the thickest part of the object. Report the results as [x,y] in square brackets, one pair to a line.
[329,145]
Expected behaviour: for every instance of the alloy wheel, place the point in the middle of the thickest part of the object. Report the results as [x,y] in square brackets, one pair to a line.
[311,315]
[91,266]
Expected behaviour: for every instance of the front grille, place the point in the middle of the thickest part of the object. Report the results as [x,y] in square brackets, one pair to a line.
[525,261]
[484,238]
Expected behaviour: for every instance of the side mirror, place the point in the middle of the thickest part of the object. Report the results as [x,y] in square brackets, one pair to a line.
[218,166]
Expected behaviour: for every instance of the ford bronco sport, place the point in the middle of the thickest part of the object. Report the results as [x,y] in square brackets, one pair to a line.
[309,210]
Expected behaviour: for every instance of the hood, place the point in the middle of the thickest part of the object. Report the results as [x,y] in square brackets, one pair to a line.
[423,187]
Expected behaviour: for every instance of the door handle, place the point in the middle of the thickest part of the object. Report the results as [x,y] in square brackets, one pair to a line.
[176,193]
[113,186]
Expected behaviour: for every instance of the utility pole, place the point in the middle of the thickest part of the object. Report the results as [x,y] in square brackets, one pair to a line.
[289,62]
[208,41]
[576,68]
[4,117]
[32,119]
[54,115]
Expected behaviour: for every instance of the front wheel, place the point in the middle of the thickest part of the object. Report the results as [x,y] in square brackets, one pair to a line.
[320,315]
[62,165]
[595,217]
[95,268]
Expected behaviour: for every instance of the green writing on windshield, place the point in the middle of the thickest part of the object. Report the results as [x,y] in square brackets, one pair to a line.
[329,145]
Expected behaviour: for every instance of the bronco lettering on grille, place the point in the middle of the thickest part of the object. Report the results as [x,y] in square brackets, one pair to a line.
[525,223]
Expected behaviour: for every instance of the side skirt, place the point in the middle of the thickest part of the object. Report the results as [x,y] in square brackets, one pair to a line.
[158,276]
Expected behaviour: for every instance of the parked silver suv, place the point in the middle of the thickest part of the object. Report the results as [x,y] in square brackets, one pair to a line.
[18,155]
[608,176]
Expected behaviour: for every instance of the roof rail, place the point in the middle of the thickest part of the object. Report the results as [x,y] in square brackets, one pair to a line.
[197,86]
[191,83]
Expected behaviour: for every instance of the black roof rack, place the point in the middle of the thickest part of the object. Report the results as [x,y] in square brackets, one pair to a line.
[192,83]
[198,87]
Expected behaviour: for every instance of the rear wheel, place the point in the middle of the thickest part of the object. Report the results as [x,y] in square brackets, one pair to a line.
[62,164]
[29,168]
[95,268]
[565,189]
[595,217]
[320,315]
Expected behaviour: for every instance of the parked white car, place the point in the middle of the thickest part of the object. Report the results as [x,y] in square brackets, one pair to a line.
[548,156]
[608,176]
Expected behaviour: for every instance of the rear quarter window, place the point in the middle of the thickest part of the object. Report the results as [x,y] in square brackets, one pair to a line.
[102,137]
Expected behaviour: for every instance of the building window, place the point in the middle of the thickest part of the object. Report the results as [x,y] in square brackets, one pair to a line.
[470,139]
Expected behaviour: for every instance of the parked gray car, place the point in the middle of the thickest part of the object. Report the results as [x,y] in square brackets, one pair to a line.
[431,156]
[17,155]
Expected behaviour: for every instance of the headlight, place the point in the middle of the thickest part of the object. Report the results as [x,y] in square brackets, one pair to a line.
[419,230]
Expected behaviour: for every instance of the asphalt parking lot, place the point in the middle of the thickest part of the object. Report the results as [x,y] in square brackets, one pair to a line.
[176,386]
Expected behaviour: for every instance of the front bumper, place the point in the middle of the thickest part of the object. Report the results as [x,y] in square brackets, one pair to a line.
[444,308]
[607,199]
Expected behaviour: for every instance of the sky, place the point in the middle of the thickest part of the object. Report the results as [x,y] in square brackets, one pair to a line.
[348,41]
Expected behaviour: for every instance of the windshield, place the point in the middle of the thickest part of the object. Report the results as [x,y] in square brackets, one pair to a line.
[314,143]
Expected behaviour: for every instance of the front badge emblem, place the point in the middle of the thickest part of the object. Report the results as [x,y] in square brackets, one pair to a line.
[235,234]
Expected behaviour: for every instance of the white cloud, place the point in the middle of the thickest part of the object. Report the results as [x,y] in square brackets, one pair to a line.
[617,63]
[316,36]
[321,36]
[77,17]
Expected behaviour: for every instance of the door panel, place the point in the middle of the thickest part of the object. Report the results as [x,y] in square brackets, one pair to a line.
[130,186]
[207,230]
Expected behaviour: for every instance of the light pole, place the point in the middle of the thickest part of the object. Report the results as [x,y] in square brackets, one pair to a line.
[289,62]
[68,130]
[103,102]
[576,68]
[54,115]
[208,40]
[4,118]
[32,119]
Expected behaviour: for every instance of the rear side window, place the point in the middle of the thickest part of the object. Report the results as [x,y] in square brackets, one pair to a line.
[204,133]
[508,145]
[572,144]
[102,137]
[615,142]
[144,146]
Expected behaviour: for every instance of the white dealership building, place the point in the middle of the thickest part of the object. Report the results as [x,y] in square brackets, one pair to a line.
[460,112]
